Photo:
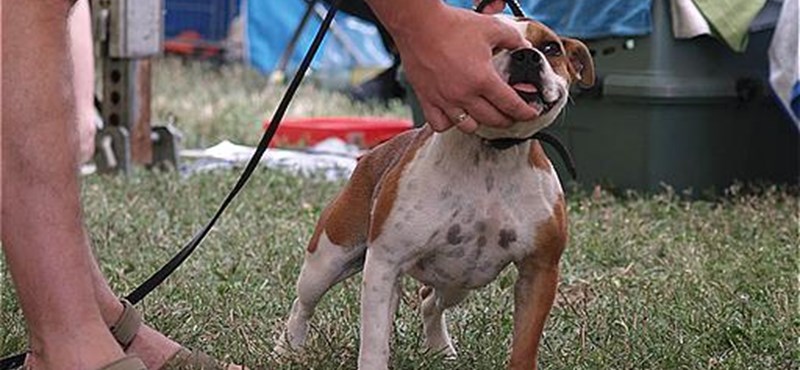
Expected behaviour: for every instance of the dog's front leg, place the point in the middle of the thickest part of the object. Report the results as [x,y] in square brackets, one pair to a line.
[379,298]
[534,292]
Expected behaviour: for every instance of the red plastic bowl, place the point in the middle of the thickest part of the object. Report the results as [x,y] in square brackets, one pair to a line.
[365,132]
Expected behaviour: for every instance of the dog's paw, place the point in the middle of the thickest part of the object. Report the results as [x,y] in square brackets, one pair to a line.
[284,348]
[290,342]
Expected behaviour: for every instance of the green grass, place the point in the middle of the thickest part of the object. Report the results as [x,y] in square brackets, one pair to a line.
[648,282]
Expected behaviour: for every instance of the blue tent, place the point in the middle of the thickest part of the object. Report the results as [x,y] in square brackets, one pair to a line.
[270,24]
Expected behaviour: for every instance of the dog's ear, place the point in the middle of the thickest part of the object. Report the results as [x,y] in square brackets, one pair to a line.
[581,66]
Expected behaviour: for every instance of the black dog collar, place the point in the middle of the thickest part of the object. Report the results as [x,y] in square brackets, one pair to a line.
[507,142]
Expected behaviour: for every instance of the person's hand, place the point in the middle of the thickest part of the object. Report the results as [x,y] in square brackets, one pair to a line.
[447,56]
[494,7]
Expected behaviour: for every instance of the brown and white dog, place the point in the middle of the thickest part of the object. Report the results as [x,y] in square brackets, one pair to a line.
[452,212]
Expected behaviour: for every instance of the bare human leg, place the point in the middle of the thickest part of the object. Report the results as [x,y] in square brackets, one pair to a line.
[80,45]
[149,345]
[44,241]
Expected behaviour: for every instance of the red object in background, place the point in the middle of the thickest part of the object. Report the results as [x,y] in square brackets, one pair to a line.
[190,43]
[365,132]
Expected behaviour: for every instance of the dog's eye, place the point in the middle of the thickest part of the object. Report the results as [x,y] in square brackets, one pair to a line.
[552,49]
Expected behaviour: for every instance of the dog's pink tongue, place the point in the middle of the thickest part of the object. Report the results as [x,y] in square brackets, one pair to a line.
[530,89]
[525,87]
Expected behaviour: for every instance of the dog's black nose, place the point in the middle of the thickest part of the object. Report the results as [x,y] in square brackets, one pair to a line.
[524,71]
[526,58]
[525,66]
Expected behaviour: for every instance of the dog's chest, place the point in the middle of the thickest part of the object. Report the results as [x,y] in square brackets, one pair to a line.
[460,217]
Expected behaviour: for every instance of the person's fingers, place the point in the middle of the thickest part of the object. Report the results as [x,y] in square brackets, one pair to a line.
[507,101]
[487,114]
[505,36]
[468,125]
[467,83]
[462,119]
[436,118]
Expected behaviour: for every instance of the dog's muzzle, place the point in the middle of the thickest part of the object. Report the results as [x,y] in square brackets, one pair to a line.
[525,76]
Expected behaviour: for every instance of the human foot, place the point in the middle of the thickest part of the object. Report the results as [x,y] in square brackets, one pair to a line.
[92,348]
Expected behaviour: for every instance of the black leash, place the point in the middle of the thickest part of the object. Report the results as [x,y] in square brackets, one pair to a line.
[145,288]
[154,281]
[163,273]
[13,362]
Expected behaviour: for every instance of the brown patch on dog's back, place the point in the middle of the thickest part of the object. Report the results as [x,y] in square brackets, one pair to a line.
[537,157]
[314,242]
[346,219]
[387,188]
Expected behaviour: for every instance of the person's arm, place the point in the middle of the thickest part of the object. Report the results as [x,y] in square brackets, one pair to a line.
[446,54]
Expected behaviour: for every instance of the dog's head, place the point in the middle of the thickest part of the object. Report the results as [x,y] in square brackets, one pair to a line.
[540,74]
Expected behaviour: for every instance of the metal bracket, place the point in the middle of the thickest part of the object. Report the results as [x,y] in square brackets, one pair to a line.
[113,150]
[128,32]
[165,147]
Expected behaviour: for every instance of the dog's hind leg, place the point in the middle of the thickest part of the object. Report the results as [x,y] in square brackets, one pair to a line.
[434,303]
[323,268]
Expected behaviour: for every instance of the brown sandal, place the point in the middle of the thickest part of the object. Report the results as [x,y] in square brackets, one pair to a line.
[125,363]
[126,327]
[188,360]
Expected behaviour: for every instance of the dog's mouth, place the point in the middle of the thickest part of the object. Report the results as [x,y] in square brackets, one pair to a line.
[531,93]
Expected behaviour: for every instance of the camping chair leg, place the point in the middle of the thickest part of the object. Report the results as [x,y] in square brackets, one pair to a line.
[340,36]
[279,73]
